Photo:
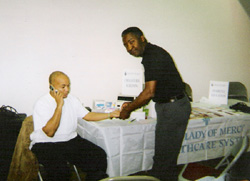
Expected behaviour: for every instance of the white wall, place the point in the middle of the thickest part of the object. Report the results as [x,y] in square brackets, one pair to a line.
[209,40]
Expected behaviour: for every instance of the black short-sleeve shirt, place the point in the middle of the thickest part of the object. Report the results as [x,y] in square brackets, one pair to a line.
[159,66]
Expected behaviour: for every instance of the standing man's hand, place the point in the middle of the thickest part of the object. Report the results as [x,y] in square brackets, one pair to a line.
[125,114]
[125,104]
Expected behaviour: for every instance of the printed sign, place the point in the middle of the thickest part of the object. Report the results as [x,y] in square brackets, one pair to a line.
[132,82]
[218,92]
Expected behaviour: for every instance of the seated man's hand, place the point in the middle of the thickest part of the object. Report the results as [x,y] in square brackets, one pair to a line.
[115,114]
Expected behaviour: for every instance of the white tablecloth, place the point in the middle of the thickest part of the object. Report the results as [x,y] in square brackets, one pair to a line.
[129,146]
[211,132]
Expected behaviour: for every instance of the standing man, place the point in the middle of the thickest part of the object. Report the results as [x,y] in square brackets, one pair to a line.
[164,85]
[55,141]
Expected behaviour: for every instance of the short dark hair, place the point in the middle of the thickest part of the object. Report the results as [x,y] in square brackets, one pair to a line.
[135,30]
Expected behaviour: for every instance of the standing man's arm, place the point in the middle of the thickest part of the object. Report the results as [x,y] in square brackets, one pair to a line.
[145,96]
[51,127]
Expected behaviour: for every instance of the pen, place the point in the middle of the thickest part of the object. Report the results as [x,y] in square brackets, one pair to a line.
[131,120]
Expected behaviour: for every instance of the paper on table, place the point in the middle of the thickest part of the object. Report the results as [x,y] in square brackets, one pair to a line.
[218,92]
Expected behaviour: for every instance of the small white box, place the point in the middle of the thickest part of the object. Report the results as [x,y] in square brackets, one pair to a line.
[137,115]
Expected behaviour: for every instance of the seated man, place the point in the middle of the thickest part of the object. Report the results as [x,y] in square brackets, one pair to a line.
[55,141]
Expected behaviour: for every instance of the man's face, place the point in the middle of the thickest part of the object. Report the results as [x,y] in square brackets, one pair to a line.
[62,84]
[134,44]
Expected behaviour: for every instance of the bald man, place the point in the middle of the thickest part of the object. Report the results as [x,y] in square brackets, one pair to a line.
[55,141]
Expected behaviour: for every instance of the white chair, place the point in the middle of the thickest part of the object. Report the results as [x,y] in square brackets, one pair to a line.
[237,91]
[196,171]
[133,178]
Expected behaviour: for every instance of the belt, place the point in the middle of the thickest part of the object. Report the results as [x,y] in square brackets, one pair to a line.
[172,99]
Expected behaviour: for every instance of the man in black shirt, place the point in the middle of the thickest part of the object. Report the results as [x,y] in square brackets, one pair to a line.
[164,85]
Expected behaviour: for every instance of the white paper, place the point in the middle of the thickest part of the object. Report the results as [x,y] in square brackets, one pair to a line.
[218,92]
[132,82]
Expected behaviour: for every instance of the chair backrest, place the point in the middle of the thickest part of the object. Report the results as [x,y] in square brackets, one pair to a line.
[236,151]
[237,90]
[132,178]
[24,165]
[188,91]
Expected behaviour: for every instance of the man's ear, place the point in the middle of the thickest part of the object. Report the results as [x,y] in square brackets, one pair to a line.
[142,38]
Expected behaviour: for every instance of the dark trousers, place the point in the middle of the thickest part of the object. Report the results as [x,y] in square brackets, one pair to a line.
[78,151]
[172,120]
